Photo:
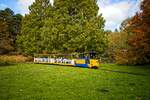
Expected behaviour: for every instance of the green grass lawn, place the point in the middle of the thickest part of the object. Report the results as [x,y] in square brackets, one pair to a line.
[51,82]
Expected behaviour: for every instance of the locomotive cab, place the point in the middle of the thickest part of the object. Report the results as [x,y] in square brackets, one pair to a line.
[87,60]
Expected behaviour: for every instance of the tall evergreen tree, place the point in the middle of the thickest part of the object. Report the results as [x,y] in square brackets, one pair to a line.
[29,40]
[82,28]
[68,25]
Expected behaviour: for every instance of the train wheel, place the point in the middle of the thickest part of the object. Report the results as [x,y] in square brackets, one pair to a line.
[95,67]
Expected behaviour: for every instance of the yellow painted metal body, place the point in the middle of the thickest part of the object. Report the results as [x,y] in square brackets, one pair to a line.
[94,63]
[80,61]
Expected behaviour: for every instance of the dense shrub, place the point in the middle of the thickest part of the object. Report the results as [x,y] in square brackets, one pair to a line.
[121,57]
[12,59]
[128,57]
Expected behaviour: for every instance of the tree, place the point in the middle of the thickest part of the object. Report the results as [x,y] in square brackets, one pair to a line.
[68,25]
[140,39]
[29,41]
[138,51]
[10,26]
[117,45]
[125,24]
[81,28]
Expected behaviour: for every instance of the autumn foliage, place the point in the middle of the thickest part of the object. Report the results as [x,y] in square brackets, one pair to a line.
[139,41]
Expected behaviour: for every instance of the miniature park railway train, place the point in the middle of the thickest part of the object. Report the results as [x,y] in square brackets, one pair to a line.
[78,60]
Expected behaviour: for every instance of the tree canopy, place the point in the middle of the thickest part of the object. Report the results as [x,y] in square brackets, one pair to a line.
[68,25]
[10,26]
[140,40]
[137,38]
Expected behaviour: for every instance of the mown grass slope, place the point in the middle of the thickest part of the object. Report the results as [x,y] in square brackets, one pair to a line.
[51,82]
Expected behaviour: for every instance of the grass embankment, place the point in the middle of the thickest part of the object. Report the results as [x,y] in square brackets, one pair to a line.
[110,82]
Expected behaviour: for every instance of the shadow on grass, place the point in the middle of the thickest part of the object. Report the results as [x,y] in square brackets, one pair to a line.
[122,72]
[6,64]
[103,90]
